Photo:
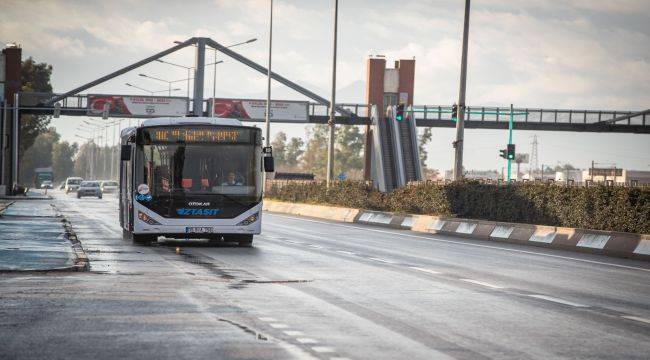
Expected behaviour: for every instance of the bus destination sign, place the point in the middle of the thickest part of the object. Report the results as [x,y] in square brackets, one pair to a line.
[197,135]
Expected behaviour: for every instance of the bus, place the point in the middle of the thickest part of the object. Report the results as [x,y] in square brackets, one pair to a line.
[192,178]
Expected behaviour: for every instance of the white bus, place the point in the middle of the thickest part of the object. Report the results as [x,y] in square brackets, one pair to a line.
[192,177]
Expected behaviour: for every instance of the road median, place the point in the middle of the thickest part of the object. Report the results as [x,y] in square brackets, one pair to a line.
[610,243]
[34,237]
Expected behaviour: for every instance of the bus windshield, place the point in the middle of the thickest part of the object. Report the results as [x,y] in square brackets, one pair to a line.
[231,170]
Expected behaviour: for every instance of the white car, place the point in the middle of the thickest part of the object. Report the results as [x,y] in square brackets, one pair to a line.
[89,188]
[108,186]
[72,184]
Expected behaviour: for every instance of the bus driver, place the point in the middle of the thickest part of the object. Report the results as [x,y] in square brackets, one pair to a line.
[231,180]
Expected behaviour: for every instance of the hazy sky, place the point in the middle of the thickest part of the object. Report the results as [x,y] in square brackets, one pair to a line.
[582,54]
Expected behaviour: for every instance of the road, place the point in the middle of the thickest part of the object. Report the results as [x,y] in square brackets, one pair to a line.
[325,290]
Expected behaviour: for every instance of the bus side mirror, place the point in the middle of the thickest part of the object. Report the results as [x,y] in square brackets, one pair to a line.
[269,165]
[125,152]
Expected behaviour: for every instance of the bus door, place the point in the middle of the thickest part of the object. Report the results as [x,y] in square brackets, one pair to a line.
[126,192]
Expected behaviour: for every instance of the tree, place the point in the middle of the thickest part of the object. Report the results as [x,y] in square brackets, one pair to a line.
[315,155]
[423,141]
[349,147]
[62,159]
[38,155]
[564,167]
[294,152]
[279,145]
[82,164]
[34,77]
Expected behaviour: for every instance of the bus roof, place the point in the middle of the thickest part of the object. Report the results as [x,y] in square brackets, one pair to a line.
[163,121]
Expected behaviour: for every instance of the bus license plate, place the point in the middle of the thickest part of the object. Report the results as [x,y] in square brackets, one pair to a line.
[198,230]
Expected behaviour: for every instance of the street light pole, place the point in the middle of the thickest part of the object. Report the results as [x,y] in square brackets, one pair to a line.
[214,83]
[268,82]
[460,121]
[330,146]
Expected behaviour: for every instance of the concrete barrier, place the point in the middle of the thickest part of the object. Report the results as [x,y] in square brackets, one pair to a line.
[611,243]
[317,211]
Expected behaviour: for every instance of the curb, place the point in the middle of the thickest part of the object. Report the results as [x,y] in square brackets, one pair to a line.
[82,263]
[4,206]
[610,243]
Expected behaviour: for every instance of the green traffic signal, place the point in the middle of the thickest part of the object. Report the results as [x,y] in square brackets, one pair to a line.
[399,113]
[511,151]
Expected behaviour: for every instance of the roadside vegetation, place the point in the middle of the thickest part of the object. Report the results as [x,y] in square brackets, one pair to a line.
[624,209]
[310,155]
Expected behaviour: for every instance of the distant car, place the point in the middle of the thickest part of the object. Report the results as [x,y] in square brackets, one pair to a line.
[72,184]
[89,188]
[108,186]
[46,184]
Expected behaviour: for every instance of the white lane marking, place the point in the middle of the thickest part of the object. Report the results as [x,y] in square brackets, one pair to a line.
[643,247]
[594,241]
[636,318]
[557,300]
[431,238]
[382,260]
[307,341]
[315,246]
[424,270]
[466,228]
[323,349]
[278,326]
[293,242]
[543,237]
[482,283]
[339,358]
[502,231]
[345,252]
[268,319]
[293,332]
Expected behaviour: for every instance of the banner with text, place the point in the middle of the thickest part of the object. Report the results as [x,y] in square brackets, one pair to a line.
[255,110]
[137,106]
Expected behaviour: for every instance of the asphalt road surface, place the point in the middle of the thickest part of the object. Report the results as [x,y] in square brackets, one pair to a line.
[319,289]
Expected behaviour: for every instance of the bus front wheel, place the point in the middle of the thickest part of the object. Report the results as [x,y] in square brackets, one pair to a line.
[244,240]
[141,239]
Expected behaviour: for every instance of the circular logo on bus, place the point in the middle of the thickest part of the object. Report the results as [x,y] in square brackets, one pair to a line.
[143,189]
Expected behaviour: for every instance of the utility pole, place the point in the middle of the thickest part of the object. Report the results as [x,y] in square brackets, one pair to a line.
[268,82]
[510,121]
[214,83]
[330,146]
[460,122]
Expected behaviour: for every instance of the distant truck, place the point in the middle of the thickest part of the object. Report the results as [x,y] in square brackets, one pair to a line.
[43,174]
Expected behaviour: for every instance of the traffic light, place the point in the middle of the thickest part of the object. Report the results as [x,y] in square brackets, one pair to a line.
[454,112]
[503,153]
[511,151]
[399,114]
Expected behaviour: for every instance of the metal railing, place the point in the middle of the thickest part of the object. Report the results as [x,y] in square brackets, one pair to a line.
[570,183]
[532,115]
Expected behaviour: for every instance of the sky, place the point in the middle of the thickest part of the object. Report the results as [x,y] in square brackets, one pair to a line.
[581,54]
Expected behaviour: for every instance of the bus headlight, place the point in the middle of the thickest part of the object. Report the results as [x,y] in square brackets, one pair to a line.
[249,220]
[146,218]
